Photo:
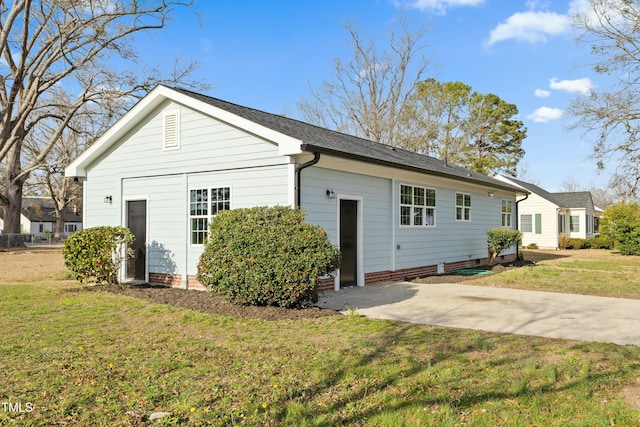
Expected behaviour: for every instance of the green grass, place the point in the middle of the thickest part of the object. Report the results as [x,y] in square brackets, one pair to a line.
[586,272]
[90,358]
[99,359]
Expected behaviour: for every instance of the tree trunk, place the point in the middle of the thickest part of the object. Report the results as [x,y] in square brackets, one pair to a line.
[12,198]
[58,230]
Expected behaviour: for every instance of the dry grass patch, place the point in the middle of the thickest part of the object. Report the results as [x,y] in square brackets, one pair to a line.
[28,265]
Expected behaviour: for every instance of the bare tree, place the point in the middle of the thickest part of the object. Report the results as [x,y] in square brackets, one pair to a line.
[369,91]
[610,29]
[55,61]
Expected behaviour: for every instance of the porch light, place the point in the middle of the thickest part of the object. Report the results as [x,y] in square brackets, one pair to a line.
[331,194]
[108,200]
[490,194]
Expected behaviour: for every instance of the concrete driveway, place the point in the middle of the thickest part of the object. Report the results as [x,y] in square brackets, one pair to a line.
[513,311]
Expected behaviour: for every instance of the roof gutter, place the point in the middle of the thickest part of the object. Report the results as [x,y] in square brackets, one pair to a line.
[299,168]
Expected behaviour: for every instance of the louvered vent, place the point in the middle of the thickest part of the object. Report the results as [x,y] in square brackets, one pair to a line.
[171,134]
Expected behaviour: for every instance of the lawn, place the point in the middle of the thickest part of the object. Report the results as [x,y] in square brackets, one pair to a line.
[70,357]
[588,272]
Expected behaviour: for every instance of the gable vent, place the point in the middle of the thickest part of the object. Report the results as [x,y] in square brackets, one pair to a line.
[171,130]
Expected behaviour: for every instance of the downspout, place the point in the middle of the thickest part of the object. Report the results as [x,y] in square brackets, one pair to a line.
[517,226]
[315,160]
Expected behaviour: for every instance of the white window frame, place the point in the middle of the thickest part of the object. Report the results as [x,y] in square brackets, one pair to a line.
[205,216]
[562,219]
[571,227]
[506,214]
[171,129]
[463,211]
[423,210]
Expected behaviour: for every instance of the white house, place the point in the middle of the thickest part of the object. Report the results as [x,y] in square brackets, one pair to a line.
[544,216]
[177,158]
[38,218]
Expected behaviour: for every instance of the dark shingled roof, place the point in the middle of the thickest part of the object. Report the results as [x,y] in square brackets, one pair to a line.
[575,199]
[326,141]
[37,209]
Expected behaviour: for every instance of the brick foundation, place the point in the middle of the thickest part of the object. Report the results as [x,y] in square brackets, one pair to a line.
[175,280]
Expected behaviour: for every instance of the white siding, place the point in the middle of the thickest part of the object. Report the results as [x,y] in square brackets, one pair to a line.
[211,154]
[450,240]
[548,238]
[376,199]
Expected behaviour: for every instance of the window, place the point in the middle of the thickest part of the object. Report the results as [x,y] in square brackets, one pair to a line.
[561,221]
[526,223]
[463,207]
[589,224]
[41,228]
[417,206]
[171,130]
[507,209]
[538,223]
[574,224]
[204,204]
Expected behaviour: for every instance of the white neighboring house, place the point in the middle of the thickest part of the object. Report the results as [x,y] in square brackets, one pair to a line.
[544,216]
[177,158]
[38,218]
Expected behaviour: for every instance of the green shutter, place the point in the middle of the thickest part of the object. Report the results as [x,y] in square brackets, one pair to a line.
[538,223]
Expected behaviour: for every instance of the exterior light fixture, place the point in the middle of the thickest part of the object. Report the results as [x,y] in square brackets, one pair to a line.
[490,194]
[108,200]
[331,194]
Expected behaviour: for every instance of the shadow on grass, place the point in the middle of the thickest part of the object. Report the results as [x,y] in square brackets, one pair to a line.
[537,256]
[411,389]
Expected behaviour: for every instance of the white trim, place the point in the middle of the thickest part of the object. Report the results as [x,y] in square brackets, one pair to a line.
[207,187]
[291,183]
[286,144]
[360,245]
[123,269]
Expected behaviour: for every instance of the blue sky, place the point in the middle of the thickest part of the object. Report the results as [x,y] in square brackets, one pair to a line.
[266,55]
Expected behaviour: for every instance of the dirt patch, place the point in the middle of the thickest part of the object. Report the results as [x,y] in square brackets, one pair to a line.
[457,278]
[631,394]
[207,303]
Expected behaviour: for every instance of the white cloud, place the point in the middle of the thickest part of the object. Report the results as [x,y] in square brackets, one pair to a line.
[582,86]
[545,114]
[439,6]
[531,27]
[541,93]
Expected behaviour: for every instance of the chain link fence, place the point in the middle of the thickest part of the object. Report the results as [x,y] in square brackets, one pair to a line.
[20,240]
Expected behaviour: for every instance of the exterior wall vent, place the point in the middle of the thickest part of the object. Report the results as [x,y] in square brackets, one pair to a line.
[171,130]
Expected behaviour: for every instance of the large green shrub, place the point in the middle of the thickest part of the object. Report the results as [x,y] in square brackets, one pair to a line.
[621,223]
[600,242]
[501,239]
[97,253]
[577,243]
[266,256]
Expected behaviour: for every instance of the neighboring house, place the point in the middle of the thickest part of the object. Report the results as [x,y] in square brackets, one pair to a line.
[544,216]
[177,158]
[38,218]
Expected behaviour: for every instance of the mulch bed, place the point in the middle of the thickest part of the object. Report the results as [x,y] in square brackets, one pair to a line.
[207,303]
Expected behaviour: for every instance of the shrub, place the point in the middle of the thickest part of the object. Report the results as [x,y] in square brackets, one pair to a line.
[563,241]
[621,223]
[600,243]
[532,246]
[500,239]
[97,253]
[576,243]
[266,256]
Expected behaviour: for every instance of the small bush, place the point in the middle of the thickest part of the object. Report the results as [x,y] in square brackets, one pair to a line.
[600,243]
[532,246]
[621,223]
[97,253]
[563,241]
[266,256]
[575,243]
[501,239]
